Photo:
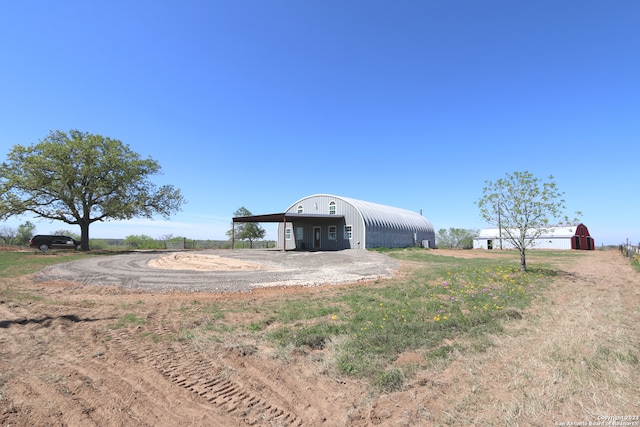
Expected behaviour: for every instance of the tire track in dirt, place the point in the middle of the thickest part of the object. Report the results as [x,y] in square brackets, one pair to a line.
[201,376]
[81,379]
[56,382]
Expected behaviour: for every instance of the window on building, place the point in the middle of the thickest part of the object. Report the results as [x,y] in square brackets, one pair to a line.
[332,208]
[332,232]
[287,233]
[300,209]
[299,233]
[347,232]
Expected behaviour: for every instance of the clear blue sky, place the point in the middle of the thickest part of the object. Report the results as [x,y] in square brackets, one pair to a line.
[412,104]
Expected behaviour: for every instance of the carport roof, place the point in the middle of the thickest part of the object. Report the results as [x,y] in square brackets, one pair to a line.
[284,216]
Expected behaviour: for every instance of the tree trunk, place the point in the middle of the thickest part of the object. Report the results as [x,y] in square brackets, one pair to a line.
[84,235]
[523,260]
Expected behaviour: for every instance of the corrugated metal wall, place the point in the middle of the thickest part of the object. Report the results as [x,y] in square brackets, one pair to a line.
[392,227]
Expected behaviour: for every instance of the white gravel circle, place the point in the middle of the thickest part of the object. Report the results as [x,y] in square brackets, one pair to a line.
[136,270]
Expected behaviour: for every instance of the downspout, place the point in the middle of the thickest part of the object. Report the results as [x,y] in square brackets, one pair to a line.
[284,234]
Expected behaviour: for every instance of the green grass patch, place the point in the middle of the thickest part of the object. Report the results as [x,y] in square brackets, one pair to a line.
[186,335]
[314,335]
[196,307]
[16,294]
[443,298]
[130,305]
[440,352]
[605,355]
[295,310]
[635,261]
[129,319]
[14,264]
[153,337]
[391,380]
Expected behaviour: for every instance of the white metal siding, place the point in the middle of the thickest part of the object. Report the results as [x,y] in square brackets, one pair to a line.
[554,243]
[554,238]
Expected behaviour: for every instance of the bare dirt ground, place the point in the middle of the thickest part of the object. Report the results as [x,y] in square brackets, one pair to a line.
[573,357]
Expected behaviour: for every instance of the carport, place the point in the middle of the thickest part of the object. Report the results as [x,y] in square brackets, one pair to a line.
[283,218]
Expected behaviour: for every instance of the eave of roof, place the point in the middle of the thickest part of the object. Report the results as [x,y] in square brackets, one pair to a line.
[281,217]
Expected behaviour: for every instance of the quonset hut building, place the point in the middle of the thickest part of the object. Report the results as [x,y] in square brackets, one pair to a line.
[328,222]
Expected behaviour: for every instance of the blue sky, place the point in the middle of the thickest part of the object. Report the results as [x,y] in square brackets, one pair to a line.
[412,104]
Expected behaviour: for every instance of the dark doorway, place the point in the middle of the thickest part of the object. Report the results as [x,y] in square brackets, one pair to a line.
[316,237]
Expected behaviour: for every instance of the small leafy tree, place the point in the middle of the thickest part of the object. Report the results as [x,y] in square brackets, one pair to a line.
[141,241]
[455,238]
[79,178]
[250,231]
[25,233]
[523,208]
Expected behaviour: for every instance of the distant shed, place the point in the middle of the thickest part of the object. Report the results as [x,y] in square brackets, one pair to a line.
[572,237]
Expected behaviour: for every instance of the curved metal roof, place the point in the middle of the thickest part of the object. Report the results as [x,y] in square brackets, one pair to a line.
[387,216]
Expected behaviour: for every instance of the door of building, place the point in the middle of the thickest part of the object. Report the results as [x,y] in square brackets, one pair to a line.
[316,237]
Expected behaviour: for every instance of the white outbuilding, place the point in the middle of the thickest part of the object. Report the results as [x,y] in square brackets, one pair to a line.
[571,237]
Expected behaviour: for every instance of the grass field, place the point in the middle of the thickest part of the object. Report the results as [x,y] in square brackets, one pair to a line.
[367,327]
[456,337]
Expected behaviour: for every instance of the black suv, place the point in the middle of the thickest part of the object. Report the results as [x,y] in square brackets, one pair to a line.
[45,243]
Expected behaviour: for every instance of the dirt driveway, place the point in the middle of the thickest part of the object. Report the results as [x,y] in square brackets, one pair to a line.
[573,357]
[224,270]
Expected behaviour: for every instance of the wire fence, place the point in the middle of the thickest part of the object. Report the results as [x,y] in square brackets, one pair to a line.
[173,244]
[179,244]
[216,244]
[630,251]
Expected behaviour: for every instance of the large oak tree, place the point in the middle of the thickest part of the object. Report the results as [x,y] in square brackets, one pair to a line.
[79,178]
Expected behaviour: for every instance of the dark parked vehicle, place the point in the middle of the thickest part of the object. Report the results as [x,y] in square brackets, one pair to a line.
[45,242]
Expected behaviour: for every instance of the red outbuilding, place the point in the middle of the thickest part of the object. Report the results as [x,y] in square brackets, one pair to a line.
[582,239]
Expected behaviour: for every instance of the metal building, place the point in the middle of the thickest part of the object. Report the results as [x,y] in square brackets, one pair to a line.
[328,222]
[573,237]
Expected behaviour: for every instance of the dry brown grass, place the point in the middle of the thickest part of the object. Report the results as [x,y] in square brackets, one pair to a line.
[574,358]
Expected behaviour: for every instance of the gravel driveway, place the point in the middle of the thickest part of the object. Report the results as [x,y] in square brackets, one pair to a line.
[131,270]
